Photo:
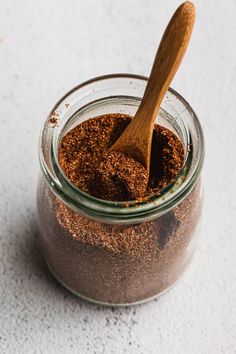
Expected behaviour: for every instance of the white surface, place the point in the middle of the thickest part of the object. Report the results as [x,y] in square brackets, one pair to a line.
[48,47]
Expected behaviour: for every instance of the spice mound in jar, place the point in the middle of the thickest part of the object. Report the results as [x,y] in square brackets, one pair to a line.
[117,263]
[86,160]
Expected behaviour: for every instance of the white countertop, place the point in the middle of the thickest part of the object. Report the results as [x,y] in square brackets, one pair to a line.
[46,48]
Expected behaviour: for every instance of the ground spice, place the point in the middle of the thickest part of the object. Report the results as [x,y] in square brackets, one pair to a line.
[116,264]
[54,119]
[85,158]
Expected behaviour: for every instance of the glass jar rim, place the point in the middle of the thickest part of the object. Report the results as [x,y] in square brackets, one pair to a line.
[110,211]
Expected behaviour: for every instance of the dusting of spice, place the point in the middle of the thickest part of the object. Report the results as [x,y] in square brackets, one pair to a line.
[86,160]
[53,119]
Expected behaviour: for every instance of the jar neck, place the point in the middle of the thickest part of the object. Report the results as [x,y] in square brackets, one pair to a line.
[111,94]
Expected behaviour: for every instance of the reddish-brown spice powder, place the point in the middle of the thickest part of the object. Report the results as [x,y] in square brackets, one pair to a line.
[120,263]
[86,160]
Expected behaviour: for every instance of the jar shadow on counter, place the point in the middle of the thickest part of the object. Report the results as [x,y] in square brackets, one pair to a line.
[27,263]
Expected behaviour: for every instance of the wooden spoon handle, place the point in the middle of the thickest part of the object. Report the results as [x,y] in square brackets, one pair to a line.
[136,140]
[168,58]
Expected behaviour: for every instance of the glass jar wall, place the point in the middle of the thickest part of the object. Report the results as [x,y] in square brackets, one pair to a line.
[110,252]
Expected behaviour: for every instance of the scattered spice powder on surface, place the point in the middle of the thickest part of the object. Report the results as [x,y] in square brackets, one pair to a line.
[86,160]
[53,118]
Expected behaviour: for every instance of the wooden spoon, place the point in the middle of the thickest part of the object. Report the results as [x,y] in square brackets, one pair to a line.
[136,140]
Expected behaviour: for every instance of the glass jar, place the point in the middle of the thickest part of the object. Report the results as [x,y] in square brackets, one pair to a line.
[108,252]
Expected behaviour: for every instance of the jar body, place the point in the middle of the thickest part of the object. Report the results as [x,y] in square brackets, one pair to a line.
[117,264]
[113,253]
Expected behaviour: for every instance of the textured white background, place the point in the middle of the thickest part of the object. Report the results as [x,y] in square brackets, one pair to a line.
[46,48]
